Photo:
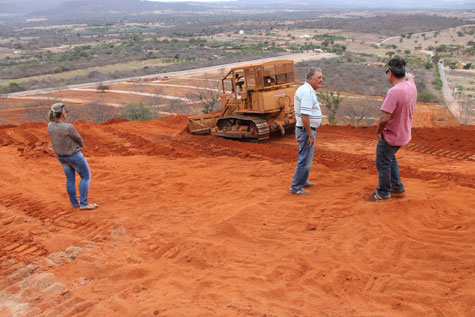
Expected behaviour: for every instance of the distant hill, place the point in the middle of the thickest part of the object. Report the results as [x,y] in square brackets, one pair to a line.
[26,6]
[362,4]
[54,9]
[94,8]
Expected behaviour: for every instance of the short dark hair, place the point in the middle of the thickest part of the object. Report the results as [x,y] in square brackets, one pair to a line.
[312,72]
[398,67]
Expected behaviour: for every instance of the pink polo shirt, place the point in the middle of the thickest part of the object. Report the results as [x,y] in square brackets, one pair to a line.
[400,102]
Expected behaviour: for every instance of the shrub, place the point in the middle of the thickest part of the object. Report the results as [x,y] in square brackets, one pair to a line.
[138,112]
[102,87]
[37,111]
[12,87]
[360,111]
[99,112]
[332,101]
[437,82]
[426,96]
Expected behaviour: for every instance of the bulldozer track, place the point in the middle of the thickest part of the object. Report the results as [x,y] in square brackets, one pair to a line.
[414,147]
[440,152]
[261,124]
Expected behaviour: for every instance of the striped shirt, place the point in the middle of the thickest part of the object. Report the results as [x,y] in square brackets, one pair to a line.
[306,102]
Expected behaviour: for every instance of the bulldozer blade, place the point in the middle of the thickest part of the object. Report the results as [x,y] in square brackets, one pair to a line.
[202,124]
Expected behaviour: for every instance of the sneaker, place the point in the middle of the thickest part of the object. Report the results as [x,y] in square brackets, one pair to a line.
[298,192]
[309,184]
[376,197]
[397,193]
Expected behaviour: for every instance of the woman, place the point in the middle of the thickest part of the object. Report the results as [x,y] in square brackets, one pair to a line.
[67,144]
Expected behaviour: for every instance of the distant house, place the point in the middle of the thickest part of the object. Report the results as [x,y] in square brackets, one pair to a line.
[318,50]
[241,32]
[305,36]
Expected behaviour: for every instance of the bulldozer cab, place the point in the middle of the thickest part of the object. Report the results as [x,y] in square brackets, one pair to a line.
[254,86]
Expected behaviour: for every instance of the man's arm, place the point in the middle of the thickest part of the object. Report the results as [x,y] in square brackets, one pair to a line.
[306,125]
[385,116]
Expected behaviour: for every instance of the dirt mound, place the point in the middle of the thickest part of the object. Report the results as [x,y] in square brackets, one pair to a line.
[453,139]
[203,226]
[178,121]
[115,120]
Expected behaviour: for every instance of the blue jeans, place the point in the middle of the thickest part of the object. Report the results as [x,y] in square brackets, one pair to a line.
[72,164]
[304,162]
[388,169]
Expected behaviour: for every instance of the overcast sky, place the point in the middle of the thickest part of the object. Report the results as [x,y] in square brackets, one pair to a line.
[434,3]
[407,4]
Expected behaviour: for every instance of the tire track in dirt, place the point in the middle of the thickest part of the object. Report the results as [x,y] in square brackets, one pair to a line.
[58,219]
[31,290]
[338,160]
[412,146]
[393,256]
[26,289]
[113,139]
[390,257]
[439,152]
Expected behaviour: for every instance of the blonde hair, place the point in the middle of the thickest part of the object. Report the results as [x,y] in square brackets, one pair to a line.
[56,111]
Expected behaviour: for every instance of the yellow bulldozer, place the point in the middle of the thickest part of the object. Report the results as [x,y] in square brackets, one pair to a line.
[256,100]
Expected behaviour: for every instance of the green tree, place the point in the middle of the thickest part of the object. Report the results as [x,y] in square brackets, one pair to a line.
[332,101]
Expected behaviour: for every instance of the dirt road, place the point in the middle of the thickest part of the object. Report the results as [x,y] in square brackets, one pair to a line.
[297,57]
[202,226]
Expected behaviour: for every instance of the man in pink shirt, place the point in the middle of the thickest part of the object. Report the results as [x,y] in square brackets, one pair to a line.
[394,130]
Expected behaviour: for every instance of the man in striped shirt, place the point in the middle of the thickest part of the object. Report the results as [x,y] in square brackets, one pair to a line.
[308,118]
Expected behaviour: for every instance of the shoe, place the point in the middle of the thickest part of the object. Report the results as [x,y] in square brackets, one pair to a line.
[308,184]
[298,192]
[89,207]
[397,193]
[376,197]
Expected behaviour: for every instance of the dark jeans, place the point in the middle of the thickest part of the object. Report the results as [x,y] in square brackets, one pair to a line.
[388,169]
[305,159]
[72,164]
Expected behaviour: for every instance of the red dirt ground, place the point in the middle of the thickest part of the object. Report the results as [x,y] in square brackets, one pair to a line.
[203,226]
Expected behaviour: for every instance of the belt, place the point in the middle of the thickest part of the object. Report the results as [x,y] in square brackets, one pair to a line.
[314,129]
